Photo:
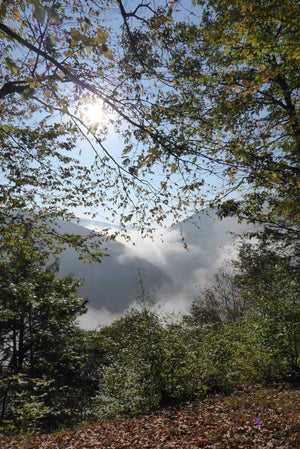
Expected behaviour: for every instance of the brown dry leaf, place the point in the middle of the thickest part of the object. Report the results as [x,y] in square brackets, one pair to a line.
[260,418]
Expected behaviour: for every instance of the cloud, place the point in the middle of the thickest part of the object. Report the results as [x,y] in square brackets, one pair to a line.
[156,249]
[94,318]
[208,242]
[171,274]
[210,245]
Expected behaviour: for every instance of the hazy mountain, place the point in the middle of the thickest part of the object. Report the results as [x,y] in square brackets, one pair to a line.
[109,286]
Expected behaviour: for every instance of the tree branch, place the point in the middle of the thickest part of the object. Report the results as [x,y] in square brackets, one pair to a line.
[13,87]
[127,15]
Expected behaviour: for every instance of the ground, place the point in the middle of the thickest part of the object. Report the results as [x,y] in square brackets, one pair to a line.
[255,417]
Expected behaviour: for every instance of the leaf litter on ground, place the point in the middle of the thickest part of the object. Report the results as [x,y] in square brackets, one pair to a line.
[256,417]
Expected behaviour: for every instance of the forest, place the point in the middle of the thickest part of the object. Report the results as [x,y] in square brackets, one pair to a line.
[203,97]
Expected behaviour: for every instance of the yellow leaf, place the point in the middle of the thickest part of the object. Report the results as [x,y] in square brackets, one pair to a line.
[128,218]
[102,36]
[32,83]
[173,168]
[75,34]
[16,13]
[148,131]
[55,86]
[108,54]
[2,10]
[5,128]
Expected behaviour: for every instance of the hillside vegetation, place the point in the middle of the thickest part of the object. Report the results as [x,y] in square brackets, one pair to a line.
[242,329]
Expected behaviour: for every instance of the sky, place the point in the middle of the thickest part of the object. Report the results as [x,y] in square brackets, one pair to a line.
[182,271]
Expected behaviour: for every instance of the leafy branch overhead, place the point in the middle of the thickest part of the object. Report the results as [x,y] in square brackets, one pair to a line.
[231,97]
[203,107]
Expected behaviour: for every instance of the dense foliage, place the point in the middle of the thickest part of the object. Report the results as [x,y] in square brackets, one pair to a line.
[228,103]
[42,365]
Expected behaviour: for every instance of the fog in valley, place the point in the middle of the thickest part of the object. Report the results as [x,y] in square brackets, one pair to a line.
[158,270]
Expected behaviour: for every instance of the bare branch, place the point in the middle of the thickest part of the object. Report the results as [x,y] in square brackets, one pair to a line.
[127,15]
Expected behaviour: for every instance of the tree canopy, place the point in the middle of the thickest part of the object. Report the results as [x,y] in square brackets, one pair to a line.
[205,103]
[230,105]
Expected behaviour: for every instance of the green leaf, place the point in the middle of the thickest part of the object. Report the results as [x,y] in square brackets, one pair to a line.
[11,66]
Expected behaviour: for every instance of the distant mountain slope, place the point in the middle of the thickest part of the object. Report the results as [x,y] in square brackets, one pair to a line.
[110,284]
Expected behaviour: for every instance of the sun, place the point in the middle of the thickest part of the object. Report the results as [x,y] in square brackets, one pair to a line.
[94,112]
